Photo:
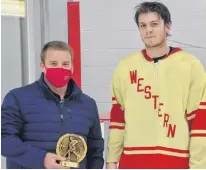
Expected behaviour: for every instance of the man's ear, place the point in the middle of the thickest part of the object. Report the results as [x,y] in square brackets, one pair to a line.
[43,68]
[168,27]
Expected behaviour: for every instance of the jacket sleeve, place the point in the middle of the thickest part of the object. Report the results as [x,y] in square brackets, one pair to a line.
[12,146]
[117,123]
[95,144]
[196,116]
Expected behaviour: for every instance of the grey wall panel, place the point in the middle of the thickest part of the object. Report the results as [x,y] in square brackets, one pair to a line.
[11,63]
[11,75]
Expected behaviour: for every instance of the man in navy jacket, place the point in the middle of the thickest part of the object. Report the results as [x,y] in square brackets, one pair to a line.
[35,116]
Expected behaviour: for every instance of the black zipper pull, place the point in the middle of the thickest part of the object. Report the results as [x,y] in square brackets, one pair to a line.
[62,118]
[61,115]
[62,103]
[70,115]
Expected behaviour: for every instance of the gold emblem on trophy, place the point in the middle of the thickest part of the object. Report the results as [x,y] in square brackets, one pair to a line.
[73,147]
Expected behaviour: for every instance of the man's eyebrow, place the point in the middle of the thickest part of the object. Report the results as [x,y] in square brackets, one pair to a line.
[150,21]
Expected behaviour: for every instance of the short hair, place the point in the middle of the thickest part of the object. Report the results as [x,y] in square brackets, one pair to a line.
[56,45]
[157,7]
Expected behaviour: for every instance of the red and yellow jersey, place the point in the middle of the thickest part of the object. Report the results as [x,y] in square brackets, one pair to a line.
[158,116]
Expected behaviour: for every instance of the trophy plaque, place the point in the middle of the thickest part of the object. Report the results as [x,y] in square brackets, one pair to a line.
[73,147]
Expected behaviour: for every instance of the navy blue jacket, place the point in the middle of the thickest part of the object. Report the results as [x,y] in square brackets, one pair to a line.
[34,118]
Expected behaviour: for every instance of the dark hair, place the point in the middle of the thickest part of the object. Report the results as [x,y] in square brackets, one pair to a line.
[157,7]
[56,45]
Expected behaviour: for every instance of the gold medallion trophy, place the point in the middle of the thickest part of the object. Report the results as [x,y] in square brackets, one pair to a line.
[73,147]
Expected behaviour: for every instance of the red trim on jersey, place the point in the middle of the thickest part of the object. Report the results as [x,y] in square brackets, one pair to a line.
[156,148]
[148,58]
[117,114]
[191,120]
[190,123]
[203,103]
[113,98]
[192,113]
[116,127]
[153,161]
[198,135]
[199,120]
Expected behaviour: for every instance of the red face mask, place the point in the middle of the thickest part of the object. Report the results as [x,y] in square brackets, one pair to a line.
[58,77]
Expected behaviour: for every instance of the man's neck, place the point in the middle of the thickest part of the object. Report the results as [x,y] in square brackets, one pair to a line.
[158,51]
[60,91]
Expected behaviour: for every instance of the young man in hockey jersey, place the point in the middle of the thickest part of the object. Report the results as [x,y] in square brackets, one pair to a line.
[158,117]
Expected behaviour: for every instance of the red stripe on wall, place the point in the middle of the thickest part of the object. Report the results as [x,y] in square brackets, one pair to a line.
[73,14]
[116,127]
[104,120]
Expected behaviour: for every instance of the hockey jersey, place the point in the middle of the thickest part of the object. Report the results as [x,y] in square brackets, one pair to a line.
[158,115]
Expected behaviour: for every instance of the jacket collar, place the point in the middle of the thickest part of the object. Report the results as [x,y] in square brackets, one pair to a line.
[73,91]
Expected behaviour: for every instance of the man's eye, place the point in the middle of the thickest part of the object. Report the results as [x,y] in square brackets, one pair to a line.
[154,24]
[53,64]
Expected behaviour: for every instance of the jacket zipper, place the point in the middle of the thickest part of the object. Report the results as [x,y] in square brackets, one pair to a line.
[61,109]
[61,114]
